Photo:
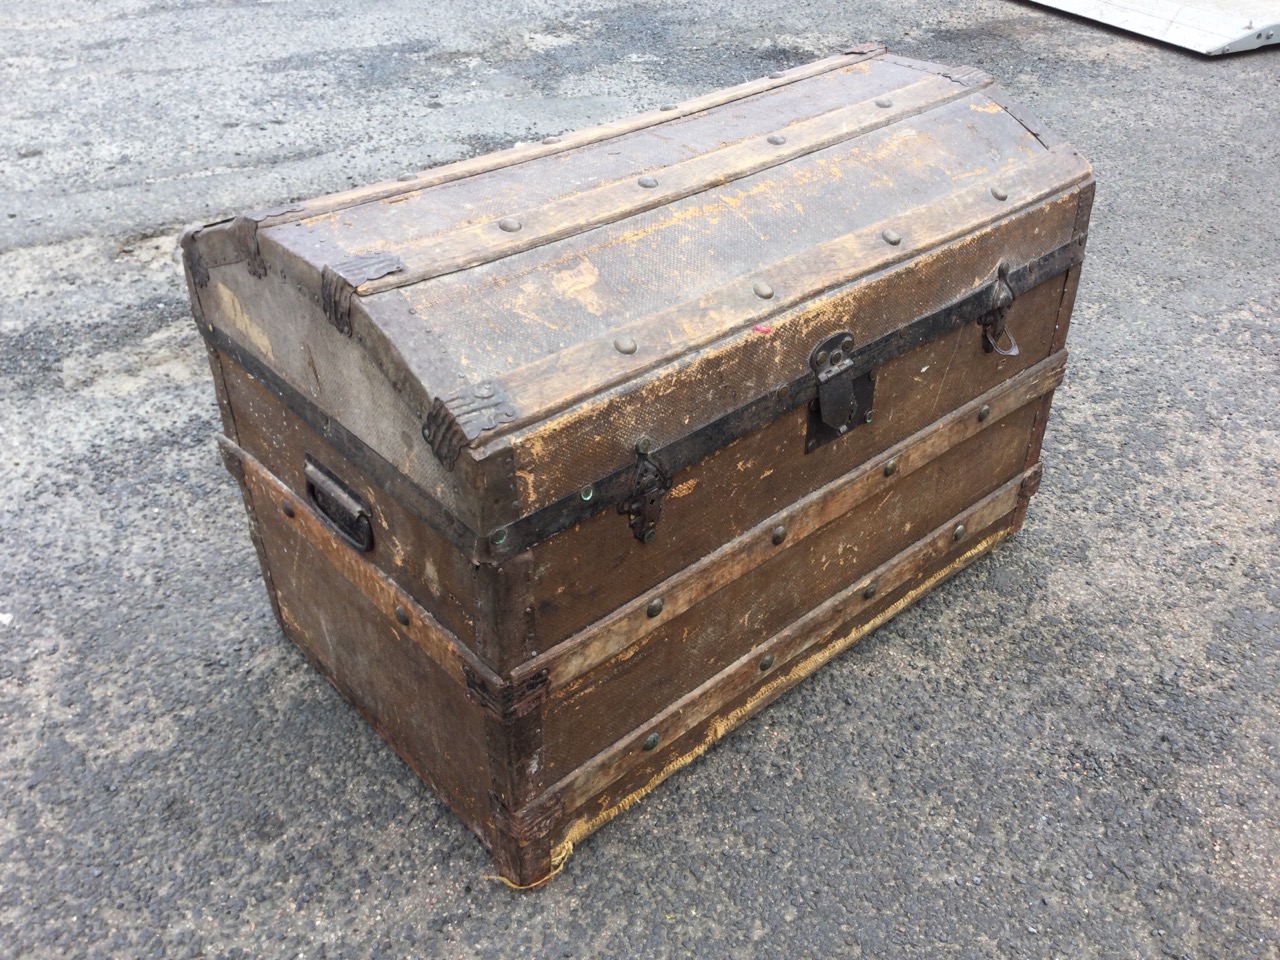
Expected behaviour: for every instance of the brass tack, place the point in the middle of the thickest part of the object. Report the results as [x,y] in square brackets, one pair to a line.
[959,533]
[766,661]
[509,224]
[999,193]
[984,413]
[655,606]
[625,345]
[647,182]
[891,467]
[884,102]
[869,591]
[762,290]
[402,615]
[286,507]
[777,139]
[652,740]
[779,534]
[891,237]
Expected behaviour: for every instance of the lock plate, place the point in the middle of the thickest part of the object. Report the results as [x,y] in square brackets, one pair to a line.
[845,395]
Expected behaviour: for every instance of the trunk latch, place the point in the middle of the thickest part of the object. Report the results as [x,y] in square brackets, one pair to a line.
[844,396]
[644,506]
[993,322]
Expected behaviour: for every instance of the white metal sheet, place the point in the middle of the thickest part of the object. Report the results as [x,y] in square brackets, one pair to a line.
[1206,26]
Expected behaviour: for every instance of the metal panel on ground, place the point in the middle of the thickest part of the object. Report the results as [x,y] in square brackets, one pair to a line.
[1206,26]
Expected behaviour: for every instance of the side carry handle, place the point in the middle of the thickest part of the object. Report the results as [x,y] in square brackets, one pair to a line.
[339,505]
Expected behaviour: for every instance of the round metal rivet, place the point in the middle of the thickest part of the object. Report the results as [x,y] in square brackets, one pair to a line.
[652,740]
[762,290]
[891,237]
[836,356]
[984,413]
[999,193]
[624,345]
[647,182]
[644,445]
[959,533]
[655,606]
[884,102]
[891,467]
[822,357]
[667,106]
[587,492]
[866,417]
[550,140]
[846,344]
[869,591]
[649,535]
[286,507]
[782,392]
[777,75]
[402,615]
[483,390]
[498,537]
[779,534]
[509,224]
[777,139]
[766,661]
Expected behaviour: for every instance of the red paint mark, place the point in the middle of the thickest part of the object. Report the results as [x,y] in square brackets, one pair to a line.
[761,328]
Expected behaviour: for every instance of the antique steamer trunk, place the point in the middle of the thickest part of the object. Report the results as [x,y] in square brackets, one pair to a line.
[562,461]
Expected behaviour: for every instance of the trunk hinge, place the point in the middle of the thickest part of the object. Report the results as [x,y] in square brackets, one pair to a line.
[644,506]
[993,322]
[844,396]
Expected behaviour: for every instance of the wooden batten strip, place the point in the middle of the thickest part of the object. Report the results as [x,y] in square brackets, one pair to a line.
[789,646]
[322,206]
[473,246]
[625,626]
[537,389]
[436,641]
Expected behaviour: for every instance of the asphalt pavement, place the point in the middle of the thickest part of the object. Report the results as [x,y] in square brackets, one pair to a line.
[1070,750]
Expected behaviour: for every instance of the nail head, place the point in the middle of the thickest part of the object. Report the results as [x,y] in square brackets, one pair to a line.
[509,224]
[286,507]
[869,591]
[959,533]
[587,492]
[762,290]
[984,413]
[891,467]
[647,182]
[777,139]
[779,534]
[652,740]
[655,606]
[402,615]
[625,345]
[884,102]
[766,661]
[891,237]
[498,537]
[644,445]
[999,193]
[550,140]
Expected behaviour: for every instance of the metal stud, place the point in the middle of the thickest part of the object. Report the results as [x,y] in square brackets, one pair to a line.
[762,290]
[498,537]
[869,591]
[403,616]
[891,237]
[286,507]
[884,103]
[766,662]
[959,533]
[983,413]
[550,140]
[667,106]
[509,224]
[779,534]
[782,392]
[652,740]
[866,417]
[483,390]
[891,467]
[999,193]
[624,345]
[647,182]
[836,356]
[846,344]
[644,445]
[648,536]
[822,357]
[655,606]
[587,492]
[777,75]
[777,139]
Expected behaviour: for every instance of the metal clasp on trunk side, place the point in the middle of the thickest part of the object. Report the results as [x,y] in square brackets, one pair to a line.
[844,400]
[993,323]
[644,506]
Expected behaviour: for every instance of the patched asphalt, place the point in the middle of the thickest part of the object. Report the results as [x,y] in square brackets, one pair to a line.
[1069,750]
